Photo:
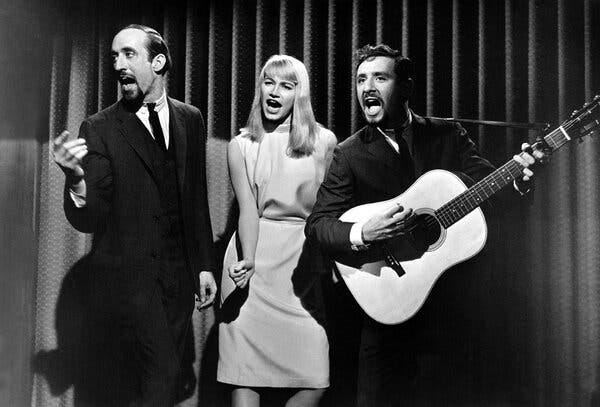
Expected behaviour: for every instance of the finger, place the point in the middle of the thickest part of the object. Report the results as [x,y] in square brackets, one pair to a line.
[399,219]
[61,138]
[202,292]
[81,154]
[539,154]
[210,299]
[529,158]
[519,159]
[400,216]
[237,274]
[528,173]
[395,208]
[76,149]
[74,142]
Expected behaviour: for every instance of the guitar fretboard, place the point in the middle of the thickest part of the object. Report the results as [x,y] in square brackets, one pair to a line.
[466,202]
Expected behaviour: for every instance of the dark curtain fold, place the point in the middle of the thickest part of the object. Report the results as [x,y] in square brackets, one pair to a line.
[519,325]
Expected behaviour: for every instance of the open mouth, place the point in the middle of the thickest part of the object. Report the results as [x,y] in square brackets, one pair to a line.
[273,103]
[372,105]
[126,79]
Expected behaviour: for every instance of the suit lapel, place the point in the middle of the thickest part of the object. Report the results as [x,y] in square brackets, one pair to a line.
[178,134]
[135,133]
[377,145]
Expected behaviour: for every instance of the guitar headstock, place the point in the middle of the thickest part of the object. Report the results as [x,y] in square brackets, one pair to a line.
[585,121]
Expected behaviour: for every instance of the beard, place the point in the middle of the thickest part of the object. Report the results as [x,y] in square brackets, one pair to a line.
[130,91]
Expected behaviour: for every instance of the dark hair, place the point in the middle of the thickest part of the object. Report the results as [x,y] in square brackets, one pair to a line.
[155,44]
[403,67]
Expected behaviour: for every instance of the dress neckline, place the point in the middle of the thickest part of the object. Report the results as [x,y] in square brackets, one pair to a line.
[282,128]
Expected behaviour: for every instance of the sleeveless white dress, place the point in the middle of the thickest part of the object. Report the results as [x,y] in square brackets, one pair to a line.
[267,338]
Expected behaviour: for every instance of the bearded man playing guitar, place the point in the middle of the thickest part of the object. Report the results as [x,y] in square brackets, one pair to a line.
[370,363]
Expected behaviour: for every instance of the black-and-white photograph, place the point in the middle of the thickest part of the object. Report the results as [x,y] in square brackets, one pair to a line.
[300,203]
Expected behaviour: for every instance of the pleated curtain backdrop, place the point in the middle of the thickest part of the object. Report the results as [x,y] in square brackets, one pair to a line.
[518,326]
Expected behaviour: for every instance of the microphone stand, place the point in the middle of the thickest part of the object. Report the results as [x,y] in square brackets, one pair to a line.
[513,125]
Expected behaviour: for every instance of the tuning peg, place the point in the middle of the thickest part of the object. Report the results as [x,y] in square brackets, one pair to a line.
[596,98]
[574,114]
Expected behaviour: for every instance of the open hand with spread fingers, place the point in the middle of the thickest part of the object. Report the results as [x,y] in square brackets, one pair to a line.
[68,153]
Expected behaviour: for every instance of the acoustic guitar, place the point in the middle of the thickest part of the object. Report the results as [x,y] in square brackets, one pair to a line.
[392,280]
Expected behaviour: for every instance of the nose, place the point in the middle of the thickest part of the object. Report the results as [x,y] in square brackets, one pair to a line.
[368,85]
[275,91]
[119,63]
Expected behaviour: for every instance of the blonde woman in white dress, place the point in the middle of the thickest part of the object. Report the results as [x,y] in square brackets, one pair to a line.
[268,339]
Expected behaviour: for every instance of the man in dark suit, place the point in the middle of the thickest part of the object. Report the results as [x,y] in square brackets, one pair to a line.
[372,363]
[136,178]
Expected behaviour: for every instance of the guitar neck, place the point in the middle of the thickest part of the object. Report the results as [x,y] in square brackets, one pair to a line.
[463,204]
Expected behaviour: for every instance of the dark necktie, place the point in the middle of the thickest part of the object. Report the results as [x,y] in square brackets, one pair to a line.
[156,127]
[408,165]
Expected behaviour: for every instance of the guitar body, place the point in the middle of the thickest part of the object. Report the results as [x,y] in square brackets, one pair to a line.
[391,297]
[391,281]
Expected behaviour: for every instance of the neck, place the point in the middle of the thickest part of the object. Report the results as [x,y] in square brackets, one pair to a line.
[399,119]
[156,91]
[270,125]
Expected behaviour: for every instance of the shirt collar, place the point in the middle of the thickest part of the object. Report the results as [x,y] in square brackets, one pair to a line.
[401,129]
[160,103]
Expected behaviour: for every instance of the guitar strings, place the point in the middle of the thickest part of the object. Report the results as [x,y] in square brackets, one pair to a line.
[463,204]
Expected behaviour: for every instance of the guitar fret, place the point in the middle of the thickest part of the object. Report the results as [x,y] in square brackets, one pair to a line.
[463,204]
[564,132]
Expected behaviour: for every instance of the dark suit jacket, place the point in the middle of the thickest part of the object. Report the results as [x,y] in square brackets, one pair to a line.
[365,169]
[124,206]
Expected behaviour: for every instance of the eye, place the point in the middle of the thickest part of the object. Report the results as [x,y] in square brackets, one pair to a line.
[381,79]
[360,80]
[288,86]
[267,82]
[129,54]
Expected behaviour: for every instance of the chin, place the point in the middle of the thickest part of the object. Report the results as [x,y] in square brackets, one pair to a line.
[133,94]
[373,120]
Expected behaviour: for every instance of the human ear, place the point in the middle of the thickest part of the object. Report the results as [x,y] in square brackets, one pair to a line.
[158,62]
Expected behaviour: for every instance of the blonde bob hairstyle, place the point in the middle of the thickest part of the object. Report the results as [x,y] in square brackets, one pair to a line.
[303,129]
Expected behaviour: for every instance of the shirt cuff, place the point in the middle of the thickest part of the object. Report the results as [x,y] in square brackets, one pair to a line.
[356,237]
[78,194]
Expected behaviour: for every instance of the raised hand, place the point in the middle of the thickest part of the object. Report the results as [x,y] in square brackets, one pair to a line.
[68,153]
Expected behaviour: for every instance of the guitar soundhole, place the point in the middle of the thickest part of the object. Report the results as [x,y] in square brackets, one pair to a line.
[427,230]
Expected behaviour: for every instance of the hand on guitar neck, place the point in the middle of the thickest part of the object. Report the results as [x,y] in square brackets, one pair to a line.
[539,152]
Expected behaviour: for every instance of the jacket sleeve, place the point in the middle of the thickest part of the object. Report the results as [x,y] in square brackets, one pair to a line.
[333,199]
[472,165]
[99,184]
[206,244]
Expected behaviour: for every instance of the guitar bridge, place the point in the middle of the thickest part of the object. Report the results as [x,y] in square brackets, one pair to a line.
[394,263]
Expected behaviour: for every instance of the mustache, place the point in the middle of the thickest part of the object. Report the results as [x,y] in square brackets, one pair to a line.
[125,78]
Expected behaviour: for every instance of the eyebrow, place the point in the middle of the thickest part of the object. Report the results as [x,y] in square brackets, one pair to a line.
[378,73]
[124,49]
[281,80]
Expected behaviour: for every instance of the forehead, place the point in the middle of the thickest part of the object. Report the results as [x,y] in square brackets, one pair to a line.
[129,38]
[379,64]
[280,72]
